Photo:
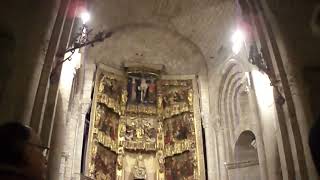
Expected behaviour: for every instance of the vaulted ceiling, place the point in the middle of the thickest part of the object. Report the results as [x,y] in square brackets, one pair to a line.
[206,24]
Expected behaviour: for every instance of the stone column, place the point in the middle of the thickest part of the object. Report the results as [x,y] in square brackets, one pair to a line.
[296,108]
[49,61]
[57,143]
[212,170]
[57,104]
[86,86]
[211,149]
[221,149]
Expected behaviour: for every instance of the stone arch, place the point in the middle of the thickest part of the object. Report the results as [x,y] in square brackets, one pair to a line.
[231,83]
[246,164]
[245,148]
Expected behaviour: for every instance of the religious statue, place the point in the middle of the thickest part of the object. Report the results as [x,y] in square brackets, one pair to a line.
[120,158]
[133,93]
[100,115]
[129,133]
[151,91]
[190,97]
[161,161]
[139,132]
[122,130]
[143,89]
[159,103]
[151,134]
[139,171]
[110,87]
[102,84]
[124,97]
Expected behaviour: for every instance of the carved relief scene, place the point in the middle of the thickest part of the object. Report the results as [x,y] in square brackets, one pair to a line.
[104,164]
[145,124]
[177,128]
[111,91]
[177,96]
[140,133]
[180,166]
[107,122]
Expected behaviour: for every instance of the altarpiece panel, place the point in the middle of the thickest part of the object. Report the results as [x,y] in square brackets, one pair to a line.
[144,125]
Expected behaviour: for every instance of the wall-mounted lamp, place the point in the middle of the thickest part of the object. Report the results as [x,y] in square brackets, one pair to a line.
[81,39]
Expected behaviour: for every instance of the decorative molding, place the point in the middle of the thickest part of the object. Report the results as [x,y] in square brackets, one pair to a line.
[241,164]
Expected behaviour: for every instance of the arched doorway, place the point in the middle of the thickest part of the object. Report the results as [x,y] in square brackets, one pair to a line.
[246,165]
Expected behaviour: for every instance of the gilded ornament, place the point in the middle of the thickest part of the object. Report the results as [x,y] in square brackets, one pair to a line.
[146,107]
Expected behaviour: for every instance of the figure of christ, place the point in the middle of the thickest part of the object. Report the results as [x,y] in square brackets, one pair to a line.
[144,87]
[133,90]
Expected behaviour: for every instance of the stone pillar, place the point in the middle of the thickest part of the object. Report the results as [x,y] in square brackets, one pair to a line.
[57,104]
[221,150]
[296,108]
[85,96]
[44,82]
[79,106]
[57,143]
[211,146]
[212,171]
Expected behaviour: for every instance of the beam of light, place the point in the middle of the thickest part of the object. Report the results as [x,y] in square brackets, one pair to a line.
[237,40]
[264,91]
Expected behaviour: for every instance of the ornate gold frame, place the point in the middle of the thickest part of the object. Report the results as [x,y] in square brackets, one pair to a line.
[161,152]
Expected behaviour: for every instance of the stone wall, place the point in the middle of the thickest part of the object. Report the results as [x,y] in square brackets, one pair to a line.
[27,26]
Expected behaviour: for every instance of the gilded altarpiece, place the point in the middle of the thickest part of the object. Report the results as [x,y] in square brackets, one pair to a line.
[144,125]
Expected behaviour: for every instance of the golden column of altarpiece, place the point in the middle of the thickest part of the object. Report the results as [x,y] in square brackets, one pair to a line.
[144,125]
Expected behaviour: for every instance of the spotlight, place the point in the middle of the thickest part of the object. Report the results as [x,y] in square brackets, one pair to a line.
[85,17]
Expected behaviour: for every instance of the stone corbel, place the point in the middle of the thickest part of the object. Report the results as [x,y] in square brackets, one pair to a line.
[218,124]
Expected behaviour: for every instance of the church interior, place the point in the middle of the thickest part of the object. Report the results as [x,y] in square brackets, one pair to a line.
[165,89]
